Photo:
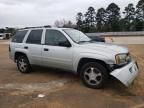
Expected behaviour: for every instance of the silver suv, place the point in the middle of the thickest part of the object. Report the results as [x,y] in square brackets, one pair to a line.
[71,50]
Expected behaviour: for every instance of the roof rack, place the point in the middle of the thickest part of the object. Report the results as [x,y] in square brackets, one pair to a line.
[46,26]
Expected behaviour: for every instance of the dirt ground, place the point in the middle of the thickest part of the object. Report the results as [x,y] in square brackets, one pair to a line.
[63,89]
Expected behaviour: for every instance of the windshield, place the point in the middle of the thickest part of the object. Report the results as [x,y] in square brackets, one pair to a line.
[77,36]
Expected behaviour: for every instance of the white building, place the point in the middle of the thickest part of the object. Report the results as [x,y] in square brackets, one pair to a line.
[5,36]
[2,36]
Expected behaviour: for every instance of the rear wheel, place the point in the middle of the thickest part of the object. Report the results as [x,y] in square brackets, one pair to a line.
[94,75]
[23,64]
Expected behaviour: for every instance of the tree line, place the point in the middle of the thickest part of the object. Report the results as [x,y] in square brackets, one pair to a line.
[111,19]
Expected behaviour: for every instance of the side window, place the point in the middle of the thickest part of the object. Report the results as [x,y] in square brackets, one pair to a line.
[53,37]
[19,36]
[35,37]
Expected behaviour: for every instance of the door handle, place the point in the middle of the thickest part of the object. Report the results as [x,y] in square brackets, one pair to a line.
[26,47]
[45,49]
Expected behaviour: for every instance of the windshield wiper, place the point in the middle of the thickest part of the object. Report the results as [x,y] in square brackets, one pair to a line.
[86,41]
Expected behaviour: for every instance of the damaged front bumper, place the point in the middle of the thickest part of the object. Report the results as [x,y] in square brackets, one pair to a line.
[126,74]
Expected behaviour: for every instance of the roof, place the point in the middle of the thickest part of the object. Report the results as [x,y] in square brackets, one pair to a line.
[43,27]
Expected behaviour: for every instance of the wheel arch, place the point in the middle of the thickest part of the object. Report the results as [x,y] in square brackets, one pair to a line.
[17,54]
[83,61]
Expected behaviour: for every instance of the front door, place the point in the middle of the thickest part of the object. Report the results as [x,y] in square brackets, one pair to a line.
[55,55]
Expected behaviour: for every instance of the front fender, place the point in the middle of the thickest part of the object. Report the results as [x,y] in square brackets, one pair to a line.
[103,58]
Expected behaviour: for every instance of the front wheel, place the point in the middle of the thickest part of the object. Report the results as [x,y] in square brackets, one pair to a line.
[23,64]
[94,75]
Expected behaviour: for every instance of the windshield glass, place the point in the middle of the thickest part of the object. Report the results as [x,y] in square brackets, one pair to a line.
[77,36]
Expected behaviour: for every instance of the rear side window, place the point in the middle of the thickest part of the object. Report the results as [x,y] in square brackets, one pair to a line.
[35,37]
[19,36]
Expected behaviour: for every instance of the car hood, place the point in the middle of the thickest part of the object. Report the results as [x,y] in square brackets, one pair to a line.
[105,47]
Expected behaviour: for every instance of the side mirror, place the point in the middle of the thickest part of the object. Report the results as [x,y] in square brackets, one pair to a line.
[64,44]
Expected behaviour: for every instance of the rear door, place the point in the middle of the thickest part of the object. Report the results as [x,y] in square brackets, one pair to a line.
[34,47]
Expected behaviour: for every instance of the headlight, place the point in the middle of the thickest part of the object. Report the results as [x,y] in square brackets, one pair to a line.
[122,58]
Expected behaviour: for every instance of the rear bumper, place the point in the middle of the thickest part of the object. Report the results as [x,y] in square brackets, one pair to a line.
[126,74]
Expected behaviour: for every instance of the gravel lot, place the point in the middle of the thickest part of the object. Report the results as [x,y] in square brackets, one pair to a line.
[63,89]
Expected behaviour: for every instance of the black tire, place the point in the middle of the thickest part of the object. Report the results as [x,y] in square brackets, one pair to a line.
[94,73]
[23,64]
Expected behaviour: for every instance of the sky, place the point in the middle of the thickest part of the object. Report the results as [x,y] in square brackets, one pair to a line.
[26,13]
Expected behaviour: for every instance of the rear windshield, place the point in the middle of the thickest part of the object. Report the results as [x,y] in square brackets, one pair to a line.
[19,36]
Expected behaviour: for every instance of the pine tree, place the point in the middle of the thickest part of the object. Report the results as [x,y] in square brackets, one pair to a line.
[129,18]
[90,20]
[140,16]
[101,19]
[113,17]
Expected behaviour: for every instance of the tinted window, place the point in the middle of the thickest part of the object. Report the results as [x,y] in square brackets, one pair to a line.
[19,36]
[35,37]
[53,37]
